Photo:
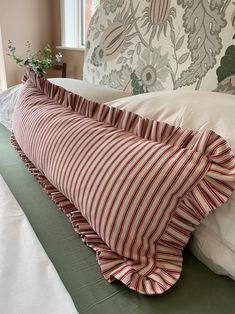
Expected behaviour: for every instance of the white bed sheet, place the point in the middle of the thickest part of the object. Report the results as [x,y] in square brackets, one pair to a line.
[29,283]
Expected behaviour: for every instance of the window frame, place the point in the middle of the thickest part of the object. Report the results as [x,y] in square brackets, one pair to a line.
[78,25]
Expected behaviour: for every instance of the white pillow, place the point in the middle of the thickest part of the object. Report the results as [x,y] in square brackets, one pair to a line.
[214,241]
[7,103]
[194,109]
[90,91]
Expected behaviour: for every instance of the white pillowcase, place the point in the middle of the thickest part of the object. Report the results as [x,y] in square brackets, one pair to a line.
[213,242]
[7,103]
[88,90]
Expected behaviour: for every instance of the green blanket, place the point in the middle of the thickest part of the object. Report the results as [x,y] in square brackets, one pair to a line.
[198,291]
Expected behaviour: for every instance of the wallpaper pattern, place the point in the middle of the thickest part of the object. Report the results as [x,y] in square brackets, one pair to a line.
[152,45]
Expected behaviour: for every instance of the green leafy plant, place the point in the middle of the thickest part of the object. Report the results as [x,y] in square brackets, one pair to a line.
[40,61]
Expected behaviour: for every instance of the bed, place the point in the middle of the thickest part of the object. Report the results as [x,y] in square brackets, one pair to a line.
[199,290]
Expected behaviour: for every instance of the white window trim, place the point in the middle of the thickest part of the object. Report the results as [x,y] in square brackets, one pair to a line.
[70,48]
[77,26]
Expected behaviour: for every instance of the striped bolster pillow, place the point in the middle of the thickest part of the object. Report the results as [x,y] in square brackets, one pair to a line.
[133,188]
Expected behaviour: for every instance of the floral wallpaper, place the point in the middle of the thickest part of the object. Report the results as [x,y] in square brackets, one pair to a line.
[152,45]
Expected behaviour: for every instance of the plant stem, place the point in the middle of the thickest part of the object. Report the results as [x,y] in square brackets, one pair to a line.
[225,5]
[172,75]
[144,42]
[198,84]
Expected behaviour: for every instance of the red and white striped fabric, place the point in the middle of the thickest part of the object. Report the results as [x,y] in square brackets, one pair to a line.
[132,187]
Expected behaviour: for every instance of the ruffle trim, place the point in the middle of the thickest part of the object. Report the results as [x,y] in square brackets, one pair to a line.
[210,191]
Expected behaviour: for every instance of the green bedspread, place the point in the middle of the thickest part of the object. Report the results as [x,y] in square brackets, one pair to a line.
[198,291]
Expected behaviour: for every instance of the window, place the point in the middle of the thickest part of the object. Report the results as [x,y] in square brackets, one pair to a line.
[75,19]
